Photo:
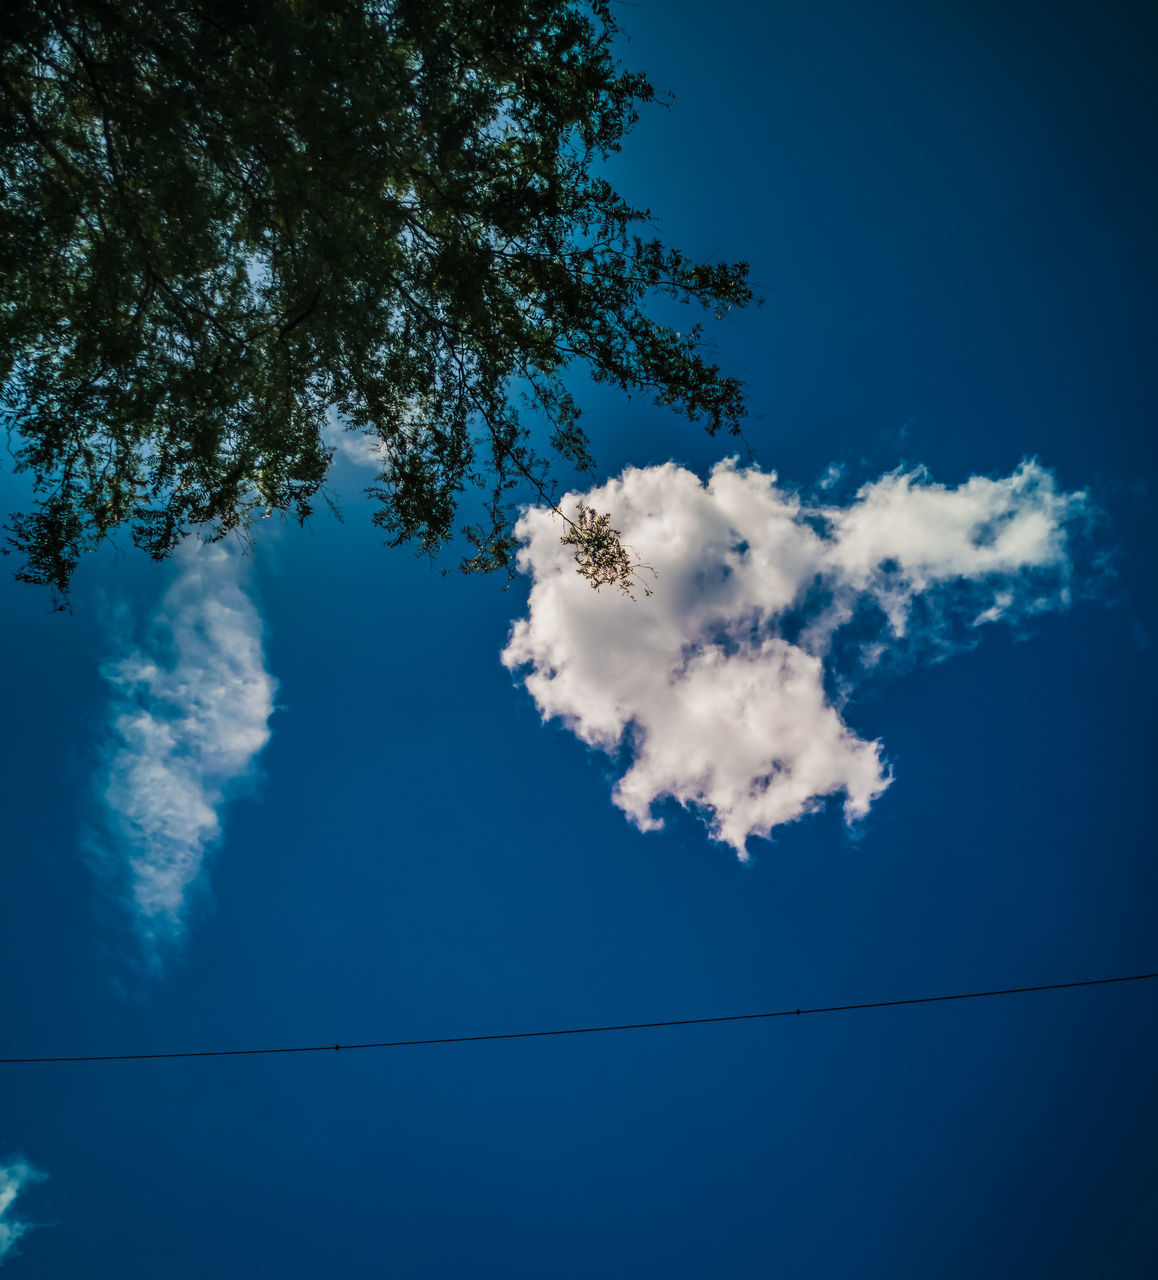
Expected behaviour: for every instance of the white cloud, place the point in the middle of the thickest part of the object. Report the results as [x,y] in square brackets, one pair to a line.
[724,687]
[190,714]
[14,1177]
[362,448]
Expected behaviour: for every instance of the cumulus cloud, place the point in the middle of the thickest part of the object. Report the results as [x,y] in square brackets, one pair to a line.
[362,448]
[724,689]
[190,713]
[14,1177]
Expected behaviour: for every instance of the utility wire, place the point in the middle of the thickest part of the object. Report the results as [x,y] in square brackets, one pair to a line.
[586,1031]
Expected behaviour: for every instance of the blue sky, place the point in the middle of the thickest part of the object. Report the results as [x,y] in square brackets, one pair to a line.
[300,798]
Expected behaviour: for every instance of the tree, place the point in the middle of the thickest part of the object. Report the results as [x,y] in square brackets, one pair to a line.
[226,227]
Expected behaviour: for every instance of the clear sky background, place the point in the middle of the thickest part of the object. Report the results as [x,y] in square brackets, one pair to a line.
[950,208]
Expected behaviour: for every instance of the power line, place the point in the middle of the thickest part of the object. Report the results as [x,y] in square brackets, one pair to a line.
[586,1031]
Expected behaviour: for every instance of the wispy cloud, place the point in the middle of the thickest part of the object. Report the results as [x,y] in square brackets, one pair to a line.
[190,713]
[361,447]
[724,688]
[14,1177]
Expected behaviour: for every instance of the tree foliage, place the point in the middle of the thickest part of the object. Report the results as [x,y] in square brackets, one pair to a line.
[225,228]
[601,555]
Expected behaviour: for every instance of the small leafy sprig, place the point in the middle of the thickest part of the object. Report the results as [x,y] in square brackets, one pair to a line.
[601,555]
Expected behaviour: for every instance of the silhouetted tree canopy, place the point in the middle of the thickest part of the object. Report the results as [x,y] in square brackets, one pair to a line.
[226,227]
